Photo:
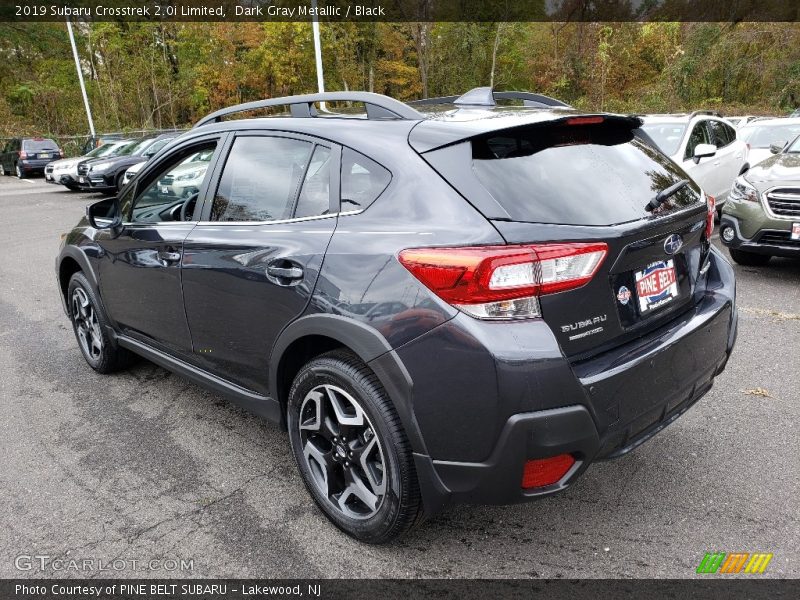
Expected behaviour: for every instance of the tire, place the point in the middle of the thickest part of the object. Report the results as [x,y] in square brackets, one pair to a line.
[2,170]
[369,487]
[749,259]
[18,172]
[90,326]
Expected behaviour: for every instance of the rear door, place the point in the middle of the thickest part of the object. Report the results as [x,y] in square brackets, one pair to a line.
[251,264]
[591,180]
[730,154]
[705,171]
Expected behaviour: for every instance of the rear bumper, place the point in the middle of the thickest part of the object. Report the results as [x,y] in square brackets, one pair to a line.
[616,402]
[770,240]
[34,166]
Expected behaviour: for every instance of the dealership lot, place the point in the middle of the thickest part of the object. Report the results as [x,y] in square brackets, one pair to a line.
[144,465]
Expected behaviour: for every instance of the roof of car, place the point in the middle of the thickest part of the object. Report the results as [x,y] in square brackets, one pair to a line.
[427,124]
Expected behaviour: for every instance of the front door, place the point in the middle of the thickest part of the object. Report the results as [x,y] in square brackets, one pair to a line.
[140,268]
[251,265]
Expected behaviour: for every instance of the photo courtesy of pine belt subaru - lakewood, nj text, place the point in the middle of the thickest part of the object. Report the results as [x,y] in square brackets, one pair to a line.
[462,299]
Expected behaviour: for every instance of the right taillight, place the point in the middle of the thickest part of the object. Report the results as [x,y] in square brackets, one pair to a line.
[503,282]
[711,204]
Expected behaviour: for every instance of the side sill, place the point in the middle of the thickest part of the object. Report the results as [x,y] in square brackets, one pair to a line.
[262,406]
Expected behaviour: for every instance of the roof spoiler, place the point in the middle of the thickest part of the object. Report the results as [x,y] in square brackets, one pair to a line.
[486,96]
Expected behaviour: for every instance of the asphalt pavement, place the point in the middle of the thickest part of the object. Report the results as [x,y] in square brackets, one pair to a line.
[144,466]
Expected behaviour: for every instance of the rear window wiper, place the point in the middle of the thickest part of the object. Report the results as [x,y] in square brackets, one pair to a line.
[666,193]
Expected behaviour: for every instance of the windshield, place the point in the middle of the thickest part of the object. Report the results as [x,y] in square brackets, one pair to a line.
[109,149]
[156,146]
[138,147]
[762,136]
[794,146]
[667,136]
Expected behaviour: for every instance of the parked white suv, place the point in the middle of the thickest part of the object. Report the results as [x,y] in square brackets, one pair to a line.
[704,144]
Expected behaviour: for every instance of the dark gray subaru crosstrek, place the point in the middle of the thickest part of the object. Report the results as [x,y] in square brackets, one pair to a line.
[466,304]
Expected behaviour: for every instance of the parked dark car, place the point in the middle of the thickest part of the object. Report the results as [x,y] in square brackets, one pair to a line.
[466,304]
[106,174]
[763,218]
[65,171]
[28,156]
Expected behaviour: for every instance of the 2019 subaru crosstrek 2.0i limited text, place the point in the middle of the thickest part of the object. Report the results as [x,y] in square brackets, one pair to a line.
[466,304]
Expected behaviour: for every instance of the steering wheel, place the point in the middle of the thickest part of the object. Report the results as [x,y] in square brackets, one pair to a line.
[190,201]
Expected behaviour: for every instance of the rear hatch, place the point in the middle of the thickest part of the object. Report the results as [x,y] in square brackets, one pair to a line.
[41,149]
[588,179]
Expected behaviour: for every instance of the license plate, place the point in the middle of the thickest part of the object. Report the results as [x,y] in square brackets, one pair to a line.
[81,179]
[164,190]
[796,231]
[44,155]
[656,285]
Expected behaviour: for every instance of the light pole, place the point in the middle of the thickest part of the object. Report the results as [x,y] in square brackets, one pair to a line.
[80,78]
[317,47]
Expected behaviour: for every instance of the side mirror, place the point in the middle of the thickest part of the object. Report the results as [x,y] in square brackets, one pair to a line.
[704,150]
[104,214]
[777,147]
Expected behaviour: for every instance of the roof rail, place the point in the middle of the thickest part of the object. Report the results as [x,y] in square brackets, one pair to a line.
[485,96]
[710,113]
[302,106]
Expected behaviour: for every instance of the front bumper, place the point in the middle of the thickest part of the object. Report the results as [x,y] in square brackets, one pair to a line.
[98,183]
[613,403]
[774,239]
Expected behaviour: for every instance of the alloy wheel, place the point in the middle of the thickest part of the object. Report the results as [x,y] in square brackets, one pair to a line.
[86,325]
[342,451]
[19,172]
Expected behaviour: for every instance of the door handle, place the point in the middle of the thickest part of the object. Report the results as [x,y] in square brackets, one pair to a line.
[169,255]
[285,272]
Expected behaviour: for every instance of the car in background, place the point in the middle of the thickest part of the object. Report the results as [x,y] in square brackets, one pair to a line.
[96,141]
[65,171]
[105,174]
[740,121]
[28,156]
[762,217]
[703,144]
[131,172]
[762,134]
[185,179]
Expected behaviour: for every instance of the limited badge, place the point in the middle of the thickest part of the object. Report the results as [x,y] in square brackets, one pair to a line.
[623,295]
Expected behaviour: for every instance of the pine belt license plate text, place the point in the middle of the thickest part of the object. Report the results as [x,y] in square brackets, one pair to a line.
[656,285]
[796,231]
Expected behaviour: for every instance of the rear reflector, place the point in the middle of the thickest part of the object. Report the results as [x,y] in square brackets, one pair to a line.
[503,282]
[546,471]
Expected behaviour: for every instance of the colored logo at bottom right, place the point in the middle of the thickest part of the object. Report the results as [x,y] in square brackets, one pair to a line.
[734,562]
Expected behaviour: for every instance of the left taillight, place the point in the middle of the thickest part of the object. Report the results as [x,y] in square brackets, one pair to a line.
[711,204]
[503,282]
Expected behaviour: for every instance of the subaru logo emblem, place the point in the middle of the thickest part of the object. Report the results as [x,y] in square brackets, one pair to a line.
[673,243]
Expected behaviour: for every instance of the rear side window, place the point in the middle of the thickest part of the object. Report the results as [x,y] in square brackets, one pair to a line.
[261,179]
[597,174]
[363,180]
[723,134]
[39,145]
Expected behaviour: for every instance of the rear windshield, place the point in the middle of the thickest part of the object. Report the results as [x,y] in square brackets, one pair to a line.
[667,136]
[576,174]
[764,135]
[38,145]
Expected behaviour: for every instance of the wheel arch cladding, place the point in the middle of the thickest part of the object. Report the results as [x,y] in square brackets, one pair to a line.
[316,334]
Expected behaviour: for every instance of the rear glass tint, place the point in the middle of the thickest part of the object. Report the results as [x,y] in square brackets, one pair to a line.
[578,175]
[39,145]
